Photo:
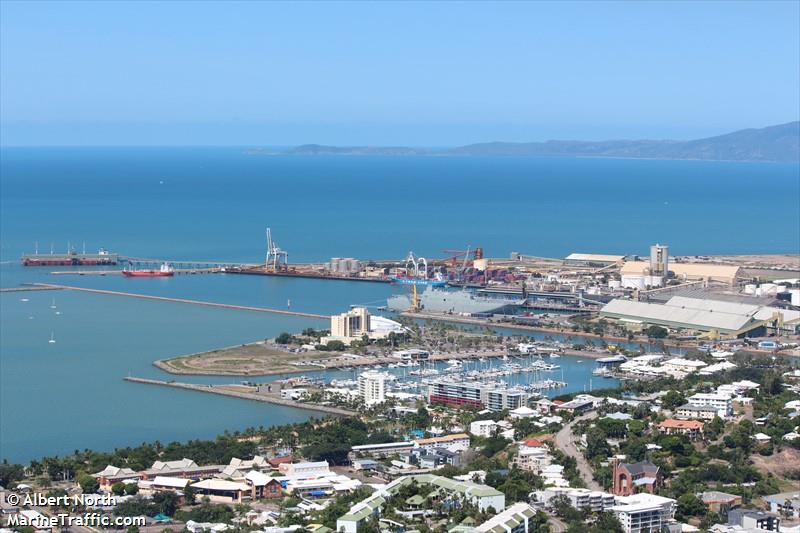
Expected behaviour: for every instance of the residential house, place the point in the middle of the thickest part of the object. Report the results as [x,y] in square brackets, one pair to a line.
[720,502]
[690,428]
[696,412]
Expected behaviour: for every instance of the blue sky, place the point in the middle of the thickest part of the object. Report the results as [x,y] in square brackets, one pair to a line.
[423,74]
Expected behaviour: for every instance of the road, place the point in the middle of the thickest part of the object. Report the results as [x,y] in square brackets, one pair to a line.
[564,441]
[557,525]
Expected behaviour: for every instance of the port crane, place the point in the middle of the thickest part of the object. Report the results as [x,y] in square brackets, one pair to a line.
[275,254]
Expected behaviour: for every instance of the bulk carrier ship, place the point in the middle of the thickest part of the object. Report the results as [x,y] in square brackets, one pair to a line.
[442,300]
[71,258]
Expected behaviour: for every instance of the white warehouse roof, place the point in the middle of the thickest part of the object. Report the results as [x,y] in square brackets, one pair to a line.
[595,257]
[679,316]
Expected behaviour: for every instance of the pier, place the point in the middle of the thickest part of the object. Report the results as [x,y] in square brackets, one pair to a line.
[46,286]
[244,394]
[210,270]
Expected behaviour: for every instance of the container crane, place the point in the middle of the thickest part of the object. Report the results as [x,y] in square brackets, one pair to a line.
[275,254]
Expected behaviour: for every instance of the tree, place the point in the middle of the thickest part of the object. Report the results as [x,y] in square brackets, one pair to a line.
[118,488]
[283,338]
[131,489]
[336,346]
[607,523]
[189,495]
[673,399]
[690,505]
[166,502]
[656,332]
[10,473]
[89,485]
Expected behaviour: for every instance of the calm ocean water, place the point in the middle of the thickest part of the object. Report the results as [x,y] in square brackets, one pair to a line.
[213,204]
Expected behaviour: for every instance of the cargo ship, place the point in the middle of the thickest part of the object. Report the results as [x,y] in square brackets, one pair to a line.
[166,270]
[441,300]
[71,258]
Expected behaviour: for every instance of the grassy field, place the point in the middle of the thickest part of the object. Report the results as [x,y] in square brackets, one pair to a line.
[247,359]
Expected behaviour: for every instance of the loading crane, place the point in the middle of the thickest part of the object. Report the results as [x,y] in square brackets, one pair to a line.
[275,255]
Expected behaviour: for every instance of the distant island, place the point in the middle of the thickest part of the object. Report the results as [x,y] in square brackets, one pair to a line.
[773,143]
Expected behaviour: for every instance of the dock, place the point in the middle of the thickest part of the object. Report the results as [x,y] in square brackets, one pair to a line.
[228,390]
[183,301]
[118,272]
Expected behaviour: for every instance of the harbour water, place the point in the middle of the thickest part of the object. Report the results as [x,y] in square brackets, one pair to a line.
[213,204]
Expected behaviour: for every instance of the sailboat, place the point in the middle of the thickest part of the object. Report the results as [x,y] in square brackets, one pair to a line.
[52,338]
[53,305]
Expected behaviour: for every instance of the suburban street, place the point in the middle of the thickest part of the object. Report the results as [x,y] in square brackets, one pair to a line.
[565,442]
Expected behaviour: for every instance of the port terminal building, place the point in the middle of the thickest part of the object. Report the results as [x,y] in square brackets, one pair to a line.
[713,318]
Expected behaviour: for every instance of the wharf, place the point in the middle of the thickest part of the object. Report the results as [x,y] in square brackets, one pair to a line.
[540,329]
[308,274]
[185,301]
[244,393]
[117,272]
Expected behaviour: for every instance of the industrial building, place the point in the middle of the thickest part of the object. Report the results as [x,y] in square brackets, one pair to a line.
[593,260]
[638,274]
[715,317]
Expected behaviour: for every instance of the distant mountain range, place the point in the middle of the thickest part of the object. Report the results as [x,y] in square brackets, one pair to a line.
[773,143]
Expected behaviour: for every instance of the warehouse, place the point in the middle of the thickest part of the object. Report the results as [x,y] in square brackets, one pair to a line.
[714,317]
[593,260]
[684,271]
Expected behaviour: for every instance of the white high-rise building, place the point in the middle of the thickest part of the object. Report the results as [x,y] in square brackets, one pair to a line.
[372,387]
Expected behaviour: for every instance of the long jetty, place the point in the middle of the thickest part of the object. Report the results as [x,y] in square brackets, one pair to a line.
[218,389]
[184,301]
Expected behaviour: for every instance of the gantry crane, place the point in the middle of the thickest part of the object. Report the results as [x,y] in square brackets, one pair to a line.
[275,255]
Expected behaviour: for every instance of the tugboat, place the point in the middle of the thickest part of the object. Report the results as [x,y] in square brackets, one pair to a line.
[166,270]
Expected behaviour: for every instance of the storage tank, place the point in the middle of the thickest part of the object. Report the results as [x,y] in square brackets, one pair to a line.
[768,288]
[750,288]
[633,282]
[795,296]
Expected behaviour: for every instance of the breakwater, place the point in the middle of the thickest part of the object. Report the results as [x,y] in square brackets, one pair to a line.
[184,301]
[227,390]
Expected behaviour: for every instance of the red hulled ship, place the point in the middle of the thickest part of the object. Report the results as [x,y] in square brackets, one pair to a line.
[166,270]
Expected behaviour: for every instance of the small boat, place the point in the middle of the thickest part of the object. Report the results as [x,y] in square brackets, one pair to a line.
[165,270]
[52,339]
[53,305]
[24,300]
